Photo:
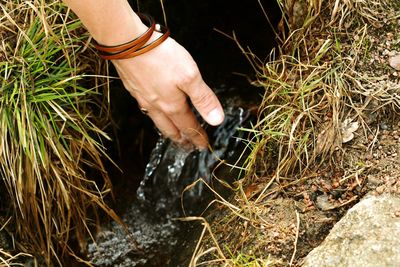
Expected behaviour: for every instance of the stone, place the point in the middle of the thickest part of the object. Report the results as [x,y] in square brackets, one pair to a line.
[323,203]
[367,236]
[394,62]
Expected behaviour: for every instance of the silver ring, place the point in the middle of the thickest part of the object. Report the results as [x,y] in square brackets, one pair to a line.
[144,111]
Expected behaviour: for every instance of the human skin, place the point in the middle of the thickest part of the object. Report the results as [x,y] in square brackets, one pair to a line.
[162,80]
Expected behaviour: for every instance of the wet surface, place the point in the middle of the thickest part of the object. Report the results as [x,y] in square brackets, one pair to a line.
[153,235]
[148,192]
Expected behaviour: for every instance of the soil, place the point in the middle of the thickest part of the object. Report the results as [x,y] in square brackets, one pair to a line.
[371,166]
[294,216]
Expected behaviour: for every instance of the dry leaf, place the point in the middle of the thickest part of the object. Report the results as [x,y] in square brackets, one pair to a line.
[348,128]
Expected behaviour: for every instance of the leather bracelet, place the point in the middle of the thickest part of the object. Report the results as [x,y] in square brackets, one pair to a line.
[137,42]
[136,51]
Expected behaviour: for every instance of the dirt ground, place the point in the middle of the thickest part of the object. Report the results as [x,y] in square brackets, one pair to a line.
[280,225]
[295,217]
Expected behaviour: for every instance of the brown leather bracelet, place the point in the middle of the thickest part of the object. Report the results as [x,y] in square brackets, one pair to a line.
[137,42]
[136,51]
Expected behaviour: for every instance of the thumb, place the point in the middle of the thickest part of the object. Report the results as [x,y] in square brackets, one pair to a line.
[206,103]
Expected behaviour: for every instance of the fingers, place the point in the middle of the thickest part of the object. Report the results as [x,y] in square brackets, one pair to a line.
[204,100]
[177,122]
[161,81]
[190,129]
[162,122]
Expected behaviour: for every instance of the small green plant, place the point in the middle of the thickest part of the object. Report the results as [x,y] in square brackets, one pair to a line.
[243,260]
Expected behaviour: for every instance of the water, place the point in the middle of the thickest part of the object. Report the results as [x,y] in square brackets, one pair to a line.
[153,237]
[172,168]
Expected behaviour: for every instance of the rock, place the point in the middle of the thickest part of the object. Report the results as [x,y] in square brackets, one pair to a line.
[394,62]
[367,236]
[323,203]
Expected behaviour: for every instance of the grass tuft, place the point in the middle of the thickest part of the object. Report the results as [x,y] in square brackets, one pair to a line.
[52,116]
[313,85]
[317,82]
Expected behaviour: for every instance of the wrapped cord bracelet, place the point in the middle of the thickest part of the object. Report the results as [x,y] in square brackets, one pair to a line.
[138,41]
[137,46]
[134,51]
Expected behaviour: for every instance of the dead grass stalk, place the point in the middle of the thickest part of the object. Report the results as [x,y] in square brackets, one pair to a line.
[51,126]
[314,93]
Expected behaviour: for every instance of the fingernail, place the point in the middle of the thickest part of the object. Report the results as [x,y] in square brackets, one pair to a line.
[215,117]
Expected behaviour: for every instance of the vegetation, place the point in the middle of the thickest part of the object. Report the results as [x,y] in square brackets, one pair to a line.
[53,113]
[315,86]
[51,128]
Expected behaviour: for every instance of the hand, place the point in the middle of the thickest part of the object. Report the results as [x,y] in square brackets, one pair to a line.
[162,80]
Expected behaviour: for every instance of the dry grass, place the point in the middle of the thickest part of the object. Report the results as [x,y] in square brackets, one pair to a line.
[51,120]
[7,259]
[313,87]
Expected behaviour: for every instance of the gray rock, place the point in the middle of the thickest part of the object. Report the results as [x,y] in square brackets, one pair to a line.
[368,236]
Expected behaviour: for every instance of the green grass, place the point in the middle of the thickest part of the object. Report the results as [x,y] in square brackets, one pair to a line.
[51,126]
[243,260]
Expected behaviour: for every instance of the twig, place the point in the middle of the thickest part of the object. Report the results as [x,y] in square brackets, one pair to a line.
[297,238]
[374,140]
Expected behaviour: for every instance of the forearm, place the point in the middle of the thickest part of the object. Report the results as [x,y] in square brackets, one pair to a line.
[110,22]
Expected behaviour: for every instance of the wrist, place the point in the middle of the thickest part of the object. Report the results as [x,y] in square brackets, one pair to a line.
[121,31]
[138,45]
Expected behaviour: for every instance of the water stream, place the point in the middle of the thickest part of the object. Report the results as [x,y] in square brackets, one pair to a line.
[154,237]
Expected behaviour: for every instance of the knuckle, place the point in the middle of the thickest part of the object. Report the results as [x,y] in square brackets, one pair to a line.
[171,109]
[146,102]
[190,75]
[174,107]
[152,98]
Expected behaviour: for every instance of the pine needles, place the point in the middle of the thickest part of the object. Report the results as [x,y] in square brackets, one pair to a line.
[50,125]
